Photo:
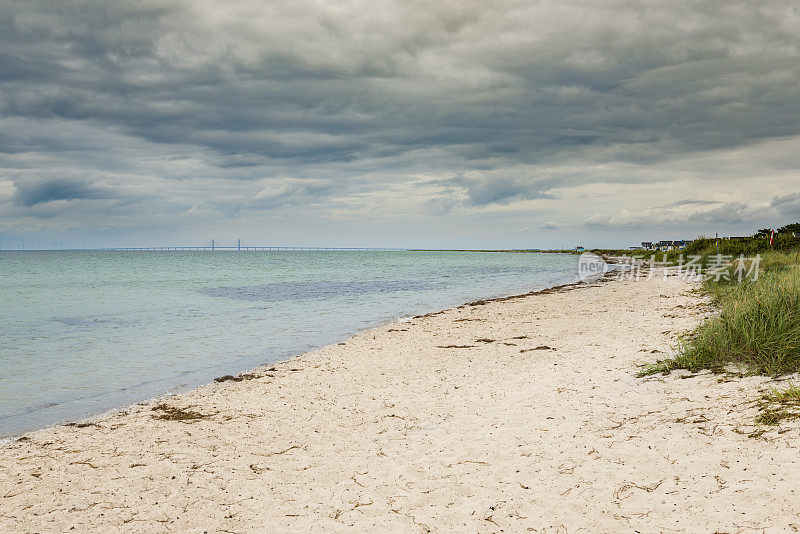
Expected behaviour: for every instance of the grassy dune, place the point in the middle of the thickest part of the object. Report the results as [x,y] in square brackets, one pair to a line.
[757,326]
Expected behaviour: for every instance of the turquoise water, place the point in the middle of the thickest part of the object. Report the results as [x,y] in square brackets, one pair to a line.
[83,332]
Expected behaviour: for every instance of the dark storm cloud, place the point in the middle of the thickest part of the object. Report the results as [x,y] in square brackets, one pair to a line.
[787,205]
[32,191]
[730,212]
[482,190]
[690,202]
[550,226]
[260,105]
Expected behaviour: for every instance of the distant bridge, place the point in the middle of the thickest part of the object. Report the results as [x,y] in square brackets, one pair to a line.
[248,248]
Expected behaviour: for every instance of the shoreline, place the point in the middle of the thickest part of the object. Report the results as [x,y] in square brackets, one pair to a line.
[178,390]
[519,411]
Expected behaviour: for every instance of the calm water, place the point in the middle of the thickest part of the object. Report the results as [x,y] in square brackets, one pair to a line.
[82,332]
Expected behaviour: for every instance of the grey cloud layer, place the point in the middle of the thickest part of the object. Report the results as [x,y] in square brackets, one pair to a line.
[287,103]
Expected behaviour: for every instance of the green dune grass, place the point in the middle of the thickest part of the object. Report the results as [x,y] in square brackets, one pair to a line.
[757,326]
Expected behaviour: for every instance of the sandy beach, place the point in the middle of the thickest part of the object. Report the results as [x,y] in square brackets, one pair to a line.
[516,415]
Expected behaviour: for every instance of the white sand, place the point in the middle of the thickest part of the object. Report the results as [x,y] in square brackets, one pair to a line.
[390,433]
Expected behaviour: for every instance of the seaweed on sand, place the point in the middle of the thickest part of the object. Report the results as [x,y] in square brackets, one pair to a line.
[172,413]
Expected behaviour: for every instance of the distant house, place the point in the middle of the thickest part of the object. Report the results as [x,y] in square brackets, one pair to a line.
[579,249]
[667,245]
[664,245]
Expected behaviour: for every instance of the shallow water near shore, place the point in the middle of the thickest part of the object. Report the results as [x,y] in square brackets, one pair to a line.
[83,331]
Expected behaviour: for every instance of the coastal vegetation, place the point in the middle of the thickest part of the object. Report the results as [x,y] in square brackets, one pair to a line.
[779,405]
[707,247]
[757,325]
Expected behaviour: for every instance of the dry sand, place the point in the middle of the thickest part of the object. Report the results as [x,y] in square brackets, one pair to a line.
[391,431]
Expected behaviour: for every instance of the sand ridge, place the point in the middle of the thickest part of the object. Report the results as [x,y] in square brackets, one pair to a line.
[517,415]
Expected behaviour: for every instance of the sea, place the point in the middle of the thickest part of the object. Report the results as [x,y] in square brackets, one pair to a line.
[83,332]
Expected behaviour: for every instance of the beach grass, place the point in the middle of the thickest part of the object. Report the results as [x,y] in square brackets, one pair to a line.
[757,325]
[779,405]
[756,330]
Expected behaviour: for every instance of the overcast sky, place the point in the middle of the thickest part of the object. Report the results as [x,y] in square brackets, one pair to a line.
[396,123]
